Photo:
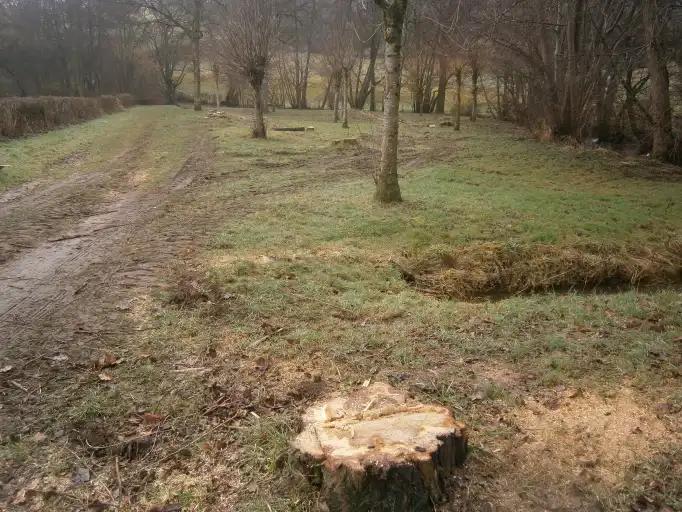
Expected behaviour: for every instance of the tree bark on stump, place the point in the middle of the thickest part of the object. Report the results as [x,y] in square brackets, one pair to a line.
[378,450]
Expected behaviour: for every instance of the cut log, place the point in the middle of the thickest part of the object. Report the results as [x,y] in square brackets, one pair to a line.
[290,129]
[379,450]
[346,142]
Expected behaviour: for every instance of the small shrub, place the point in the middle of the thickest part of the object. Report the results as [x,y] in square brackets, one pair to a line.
[127,100]
[110,104]
[25,116]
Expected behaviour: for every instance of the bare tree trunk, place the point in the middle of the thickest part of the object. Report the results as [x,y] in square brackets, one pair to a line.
[337,92]
[304,85]
[345,98]
[216,76]
[443,77]
[373,98]
[458,103]
[259,131]
[365,89]
[569,122]
[499,97]
[474,92]
[659,79]
[196,53]
[328,91]
[387,186]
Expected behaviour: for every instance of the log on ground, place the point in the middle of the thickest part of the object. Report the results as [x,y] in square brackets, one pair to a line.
[290,129]
[380,450]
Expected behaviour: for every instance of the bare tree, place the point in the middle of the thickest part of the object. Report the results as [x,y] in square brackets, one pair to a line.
[299,19]
[655,11]
[475,65]
[367,29]
[251,27]
[387,186]
[167,43]
[459,74]
[339,55]
[187,15]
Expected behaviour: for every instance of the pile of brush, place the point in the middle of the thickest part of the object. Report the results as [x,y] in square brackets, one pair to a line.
[497,270]
[25,116]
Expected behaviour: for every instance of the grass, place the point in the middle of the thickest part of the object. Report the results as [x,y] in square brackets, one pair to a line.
[62,152]
[314,265]
[298,278]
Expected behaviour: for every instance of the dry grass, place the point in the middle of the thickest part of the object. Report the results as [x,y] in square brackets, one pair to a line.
[493,269]
[25,116]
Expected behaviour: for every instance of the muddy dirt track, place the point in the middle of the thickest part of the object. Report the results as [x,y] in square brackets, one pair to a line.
[71,252]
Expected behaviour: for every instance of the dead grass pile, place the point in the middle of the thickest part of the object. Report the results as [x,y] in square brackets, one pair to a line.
[25,116]
[191,287]
[496,270]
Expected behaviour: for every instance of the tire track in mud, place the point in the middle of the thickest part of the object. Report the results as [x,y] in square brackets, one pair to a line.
[62,293]
[67,292]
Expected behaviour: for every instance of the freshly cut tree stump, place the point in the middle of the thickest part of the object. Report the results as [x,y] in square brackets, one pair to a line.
[379,450]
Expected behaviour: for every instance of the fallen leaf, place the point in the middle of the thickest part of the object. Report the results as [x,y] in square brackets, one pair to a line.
[107,361]
[152,419]
[19,497]
[477,396]
[104,377]
[6,369]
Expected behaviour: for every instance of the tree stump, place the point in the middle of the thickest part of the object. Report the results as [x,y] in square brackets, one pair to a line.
[379,450]
[345,142]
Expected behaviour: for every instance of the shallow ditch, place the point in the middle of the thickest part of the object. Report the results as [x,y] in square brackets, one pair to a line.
[496,271]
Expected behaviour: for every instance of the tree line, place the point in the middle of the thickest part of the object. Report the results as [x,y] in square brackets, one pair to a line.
[608,70]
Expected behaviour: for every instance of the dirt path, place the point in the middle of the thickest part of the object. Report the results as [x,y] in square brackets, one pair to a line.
[72,253]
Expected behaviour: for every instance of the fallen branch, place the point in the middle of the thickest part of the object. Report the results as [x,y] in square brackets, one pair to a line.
[17,385]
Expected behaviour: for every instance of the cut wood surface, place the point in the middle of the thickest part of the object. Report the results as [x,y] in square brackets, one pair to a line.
[379,449]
